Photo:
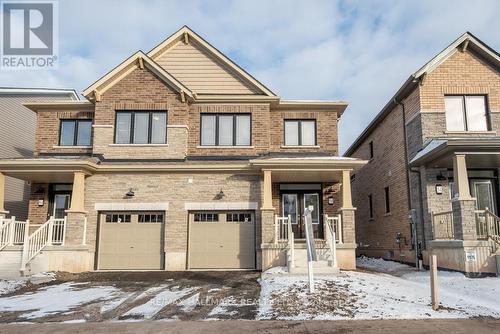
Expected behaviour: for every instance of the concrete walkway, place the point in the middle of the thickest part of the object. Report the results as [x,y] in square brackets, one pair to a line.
[456,326]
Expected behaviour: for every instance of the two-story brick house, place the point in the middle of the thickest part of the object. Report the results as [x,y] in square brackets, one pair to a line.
[179,160]
[435,148]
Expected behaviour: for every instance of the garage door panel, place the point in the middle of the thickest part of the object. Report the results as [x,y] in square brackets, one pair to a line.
[131,245]
[222,245]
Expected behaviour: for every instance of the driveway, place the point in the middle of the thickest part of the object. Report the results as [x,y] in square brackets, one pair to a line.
[134,296]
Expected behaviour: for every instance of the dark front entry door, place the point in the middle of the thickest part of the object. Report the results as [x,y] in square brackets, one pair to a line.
[294,203]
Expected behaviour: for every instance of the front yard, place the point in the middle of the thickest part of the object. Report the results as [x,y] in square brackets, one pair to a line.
[378,290]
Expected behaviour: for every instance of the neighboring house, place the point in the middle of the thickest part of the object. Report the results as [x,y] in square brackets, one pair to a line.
[181,160]
[435,148]
[17,137]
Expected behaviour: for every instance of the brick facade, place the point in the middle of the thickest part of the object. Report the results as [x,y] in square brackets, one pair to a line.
[462,73]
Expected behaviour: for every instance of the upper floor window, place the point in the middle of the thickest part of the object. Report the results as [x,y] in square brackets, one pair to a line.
[141,127]
[226,130]
[466,113]
[75,132]
[371,149]
[300,132]
[387,200]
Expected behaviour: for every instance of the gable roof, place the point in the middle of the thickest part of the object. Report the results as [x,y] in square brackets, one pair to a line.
[465,41]
[137,60]
[186,34]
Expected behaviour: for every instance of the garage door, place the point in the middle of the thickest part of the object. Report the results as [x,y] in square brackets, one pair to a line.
[222,240]
[131,240]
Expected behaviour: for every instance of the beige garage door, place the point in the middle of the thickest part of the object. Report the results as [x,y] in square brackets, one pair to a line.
[222,240]
[131,240]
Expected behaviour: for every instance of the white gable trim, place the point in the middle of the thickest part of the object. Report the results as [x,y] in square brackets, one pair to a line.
[126,67]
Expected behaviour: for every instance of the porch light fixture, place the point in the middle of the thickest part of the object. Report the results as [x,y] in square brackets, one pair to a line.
[130,193]
[220,195]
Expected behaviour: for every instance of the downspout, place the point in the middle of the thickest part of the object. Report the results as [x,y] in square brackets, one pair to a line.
[407,171]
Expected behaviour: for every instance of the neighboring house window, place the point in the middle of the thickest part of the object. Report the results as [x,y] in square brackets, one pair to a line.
[300,132]
[371,149]
[370,204]
[75,132]
[226,130]
[141,127]
[466,113]
[387,200]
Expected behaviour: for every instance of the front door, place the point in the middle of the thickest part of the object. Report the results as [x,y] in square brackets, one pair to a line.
[61,204]
[482,190]
[294,204]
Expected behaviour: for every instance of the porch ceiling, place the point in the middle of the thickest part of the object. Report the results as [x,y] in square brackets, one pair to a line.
[479,152]
[45,170]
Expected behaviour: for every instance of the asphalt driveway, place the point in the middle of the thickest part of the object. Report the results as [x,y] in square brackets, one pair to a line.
[134,296]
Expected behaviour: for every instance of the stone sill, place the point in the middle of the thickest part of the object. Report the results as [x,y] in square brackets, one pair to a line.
[225,147]
[138,145]
[300,146]
[71,147]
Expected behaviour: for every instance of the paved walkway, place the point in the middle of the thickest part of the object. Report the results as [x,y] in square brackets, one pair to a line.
[456,326]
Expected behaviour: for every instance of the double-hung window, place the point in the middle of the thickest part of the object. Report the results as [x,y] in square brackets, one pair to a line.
[75,132]
[141,127]
[226,130]
[466,113]
[300,132]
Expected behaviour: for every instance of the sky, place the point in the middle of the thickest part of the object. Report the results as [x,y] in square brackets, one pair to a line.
[355,51]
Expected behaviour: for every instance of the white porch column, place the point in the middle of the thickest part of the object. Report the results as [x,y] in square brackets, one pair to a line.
[460,176]
[78,194]
[267,202]
[346,190]
[2,194]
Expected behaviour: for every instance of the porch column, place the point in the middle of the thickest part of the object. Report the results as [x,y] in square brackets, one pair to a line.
[78,193]
[267,202]
[347,210]
[2,195]
[346,190]
[76,214]
[460,176]
[464,217]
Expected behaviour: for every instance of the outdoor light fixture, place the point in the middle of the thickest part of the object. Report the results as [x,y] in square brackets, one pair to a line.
[440,177]
[220,195]
[130,193]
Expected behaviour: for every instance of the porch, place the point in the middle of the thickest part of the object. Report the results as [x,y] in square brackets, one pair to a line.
[321,183]
[460,186]
[54,236]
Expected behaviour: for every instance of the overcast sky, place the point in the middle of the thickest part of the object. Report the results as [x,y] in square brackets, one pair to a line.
[357,51]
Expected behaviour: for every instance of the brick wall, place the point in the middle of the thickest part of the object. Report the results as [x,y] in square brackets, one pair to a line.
[38,214]
[377,236]
[47,131]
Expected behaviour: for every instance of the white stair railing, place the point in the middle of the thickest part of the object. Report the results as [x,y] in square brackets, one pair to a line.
[291,242]
[331,238]
[311,247]
[50,233]
[281,230]
[336,223]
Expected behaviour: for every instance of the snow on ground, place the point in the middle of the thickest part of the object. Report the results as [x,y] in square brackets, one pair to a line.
[8,286]
[365,295]
[189,304]
[159,301]
[381,265]
[55,299]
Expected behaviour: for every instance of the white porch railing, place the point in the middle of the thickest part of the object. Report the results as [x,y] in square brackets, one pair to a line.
[282,228]
[52,232]
[283,232]
[12,232]
[336,223]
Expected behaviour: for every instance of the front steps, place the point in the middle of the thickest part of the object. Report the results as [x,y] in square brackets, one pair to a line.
[321,267]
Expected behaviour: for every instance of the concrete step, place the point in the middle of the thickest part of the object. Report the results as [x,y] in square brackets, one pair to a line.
[319,268]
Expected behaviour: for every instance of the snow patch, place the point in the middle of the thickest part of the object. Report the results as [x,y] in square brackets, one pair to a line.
[9,286]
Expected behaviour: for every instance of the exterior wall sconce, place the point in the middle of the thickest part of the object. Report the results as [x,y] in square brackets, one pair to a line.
[130,193]
[220,195]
